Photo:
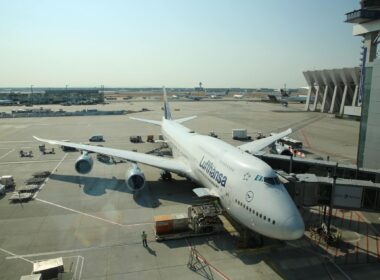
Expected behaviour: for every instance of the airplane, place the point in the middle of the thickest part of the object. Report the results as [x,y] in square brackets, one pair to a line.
[247,188]
[238,96]
[286,96]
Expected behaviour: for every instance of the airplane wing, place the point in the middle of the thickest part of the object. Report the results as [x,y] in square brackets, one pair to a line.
[258,145]
[169,164]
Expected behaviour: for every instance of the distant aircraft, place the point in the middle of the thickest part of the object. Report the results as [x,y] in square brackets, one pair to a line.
[286,97]
[247,188]
[238,96]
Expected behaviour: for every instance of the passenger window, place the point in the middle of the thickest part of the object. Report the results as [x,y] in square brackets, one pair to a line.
[273,222]
[265,217]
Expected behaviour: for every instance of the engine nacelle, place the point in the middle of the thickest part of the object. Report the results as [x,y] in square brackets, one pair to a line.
[134,178]
[84,163]
[281,150]
[286,152]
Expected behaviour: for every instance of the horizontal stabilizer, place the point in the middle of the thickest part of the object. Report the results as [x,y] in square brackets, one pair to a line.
[185,119]
[202,192]
[147,121]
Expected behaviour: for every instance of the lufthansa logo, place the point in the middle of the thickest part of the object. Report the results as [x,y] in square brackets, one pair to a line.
[249,196]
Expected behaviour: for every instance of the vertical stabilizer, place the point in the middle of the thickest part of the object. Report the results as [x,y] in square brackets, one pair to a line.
[168,114]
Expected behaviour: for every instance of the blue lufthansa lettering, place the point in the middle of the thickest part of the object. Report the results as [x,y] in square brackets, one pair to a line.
[212,172]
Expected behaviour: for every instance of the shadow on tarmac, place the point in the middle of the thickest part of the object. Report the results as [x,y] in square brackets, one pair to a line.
[179,191]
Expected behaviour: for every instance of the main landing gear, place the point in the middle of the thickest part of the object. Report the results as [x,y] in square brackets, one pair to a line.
[166,176]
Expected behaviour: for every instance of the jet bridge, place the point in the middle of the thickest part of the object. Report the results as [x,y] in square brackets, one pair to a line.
[311,182]
[310,190]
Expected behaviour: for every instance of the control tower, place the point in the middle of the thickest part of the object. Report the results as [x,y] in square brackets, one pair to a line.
[366,23]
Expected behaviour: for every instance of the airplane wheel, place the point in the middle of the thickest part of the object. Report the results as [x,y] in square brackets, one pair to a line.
[166,176]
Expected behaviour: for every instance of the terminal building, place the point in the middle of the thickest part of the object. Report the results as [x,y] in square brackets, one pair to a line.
[366,23]
[355,91]
[56,96]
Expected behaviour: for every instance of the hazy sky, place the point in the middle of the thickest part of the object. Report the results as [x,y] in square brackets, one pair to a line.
[176,43]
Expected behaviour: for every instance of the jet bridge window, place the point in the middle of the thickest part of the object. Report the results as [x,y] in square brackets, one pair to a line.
[271,180]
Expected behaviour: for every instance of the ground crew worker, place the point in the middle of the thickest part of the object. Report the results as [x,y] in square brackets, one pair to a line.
[143,237]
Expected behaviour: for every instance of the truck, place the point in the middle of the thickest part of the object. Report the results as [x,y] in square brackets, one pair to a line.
[199,220]
[2,189]
[7,181]
[240,134]
[44,150]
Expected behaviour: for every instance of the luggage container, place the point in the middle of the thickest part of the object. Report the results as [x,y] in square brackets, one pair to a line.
[180,222]
[240,134]
[7,181]
[163,224]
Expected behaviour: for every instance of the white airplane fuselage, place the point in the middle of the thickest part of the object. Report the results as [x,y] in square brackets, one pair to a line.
[248,188]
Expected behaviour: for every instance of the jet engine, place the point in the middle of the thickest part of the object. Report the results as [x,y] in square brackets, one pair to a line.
[280,149]
[84,163]
[134,178]
[286,152]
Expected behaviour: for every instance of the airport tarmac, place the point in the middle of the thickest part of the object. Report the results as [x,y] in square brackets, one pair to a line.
[95,223]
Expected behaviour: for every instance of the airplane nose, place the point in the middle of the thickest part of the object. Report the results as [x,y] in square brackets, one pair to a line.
[293,228]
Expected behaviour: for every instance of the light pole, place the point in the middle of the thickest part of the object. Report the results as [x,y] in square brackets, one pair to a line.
[31,93]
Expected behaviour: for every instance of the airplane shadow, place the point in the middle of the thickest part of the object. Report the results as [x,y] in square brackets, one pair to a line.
[179,191]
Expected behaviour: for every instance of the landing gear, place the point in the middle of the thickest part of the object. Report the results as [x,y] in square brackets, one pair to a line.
[166,176]
[249,239]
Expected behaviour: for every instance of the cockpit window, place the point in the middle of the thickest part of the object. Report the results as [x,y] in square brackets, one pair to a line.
[271,180]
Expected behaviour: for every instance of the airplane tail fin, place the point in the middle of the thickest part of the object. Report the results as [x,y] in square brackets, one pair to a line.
[167,112]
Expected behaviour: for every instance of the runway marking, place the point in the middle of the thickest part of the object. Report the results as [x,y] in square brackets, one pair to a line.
[16,142]
[47,179]
[3,156]
[80,259]
[368,222]
[322,256]
[31,161]
[52,253]
[69,251]
[92,216]
[15,256]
